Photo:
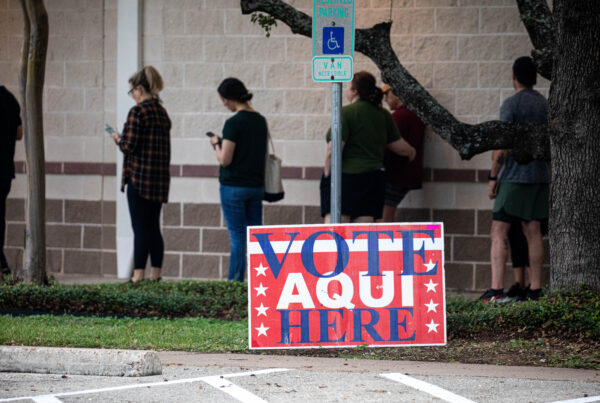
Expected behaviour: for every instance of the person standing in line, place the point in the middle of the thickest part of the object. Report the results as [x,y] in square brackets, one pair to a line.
[367,129]
[401,175]
[241,154]
[146,146]
[11,130]
[521,192]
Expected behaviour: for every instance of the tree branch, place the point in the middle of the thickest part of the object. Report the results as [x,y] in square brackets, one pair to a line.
[532,141]
[538,20]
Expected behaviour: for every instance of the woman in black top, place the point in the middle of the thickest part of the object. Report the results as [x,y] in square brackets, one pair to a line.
[241,154]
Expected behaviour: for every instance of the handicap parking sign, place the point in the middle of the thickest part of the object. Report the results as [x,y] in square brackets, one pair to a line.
[333,40]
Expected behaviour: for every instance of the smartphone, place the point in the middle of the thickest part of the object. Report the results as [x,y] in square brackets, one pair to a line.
[210,134]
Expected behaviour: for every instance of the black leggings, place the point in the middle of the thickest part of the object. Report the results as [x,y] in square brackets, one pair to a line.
[4,190]
[519,252]
[147,239]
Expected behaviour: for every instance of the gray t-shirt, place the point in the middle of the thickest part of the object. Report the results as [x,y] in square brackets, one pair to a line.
[526,106]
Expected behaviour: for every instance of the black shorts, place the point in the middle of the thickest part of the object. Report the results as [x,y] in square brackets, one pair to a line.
[362,194]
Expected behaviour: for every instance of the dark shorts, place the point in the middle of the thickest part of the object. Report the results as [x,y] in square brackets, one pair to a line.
[394,195]
[362,194]
[518,202]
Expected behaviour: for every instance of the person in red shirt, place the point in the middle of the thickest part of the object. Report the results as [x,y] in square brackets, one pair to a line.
[401,174]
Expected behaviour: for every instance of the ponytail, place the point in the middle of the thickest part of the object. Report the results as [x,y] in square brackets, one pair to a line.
[150,79]
[364,84]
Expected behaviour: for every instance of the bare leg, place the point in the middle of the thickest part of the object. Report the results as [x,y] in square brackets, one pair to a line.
[519,273]
[155,274]
[499,252]
[327,218]
[389,214]
[138,274]
[533,233]
[364,219]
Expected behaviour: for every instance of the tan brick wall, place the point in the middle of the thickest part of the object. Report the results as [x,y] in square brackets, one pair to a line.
[81,239]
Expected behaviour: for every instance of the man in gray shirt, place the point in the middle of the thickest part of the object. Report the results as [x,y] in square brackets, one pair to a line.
[521,191]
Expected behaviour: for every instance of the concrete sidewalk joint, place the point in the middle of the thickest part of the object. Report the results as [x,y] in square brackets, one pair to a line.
[79,361]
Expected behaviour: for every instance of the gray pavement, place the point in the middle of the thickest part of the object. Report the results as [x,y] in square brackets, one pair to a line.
[196,377]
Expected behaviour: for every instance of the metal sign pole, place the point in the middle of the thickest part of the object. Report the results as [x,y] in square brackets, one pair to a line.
[336,153]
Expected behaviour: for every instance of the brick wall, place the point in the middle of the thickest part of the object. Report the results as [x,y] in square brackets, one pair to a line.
[81,239]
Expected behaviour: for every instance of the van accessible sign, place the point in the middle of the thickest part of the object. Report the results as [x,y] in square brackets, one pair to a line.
[346,285]
[333,40]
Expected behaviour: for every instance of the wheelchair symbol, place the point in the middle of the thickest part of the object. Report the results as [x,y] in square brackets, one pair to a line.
[333,40]
[332,43]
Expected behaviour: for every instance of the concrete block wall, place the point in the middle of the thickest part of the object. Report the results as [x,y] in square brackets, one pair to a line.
[460,50]
[81,239]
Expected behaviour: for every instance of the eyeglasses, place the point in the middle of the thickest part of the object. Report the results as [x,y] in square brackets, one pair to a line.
[130,92]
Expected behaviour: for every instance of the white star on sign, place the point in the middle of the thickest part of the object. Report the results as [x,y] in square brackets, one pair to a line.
[430,266]
[430,286]
[260,270]
[430,306]
[432,326]
[261,290]
[262,310]
[263,330]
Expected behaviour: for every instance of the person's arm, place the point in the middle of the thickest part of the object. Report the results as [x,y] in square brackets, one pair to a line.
[19,132]
[498,158]
[132,130]
[327,167]
[402,148]
[224,150]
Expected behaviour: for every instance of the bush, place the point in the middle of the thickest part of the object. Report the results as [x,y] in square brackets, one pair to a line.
[566,313]
[210,299]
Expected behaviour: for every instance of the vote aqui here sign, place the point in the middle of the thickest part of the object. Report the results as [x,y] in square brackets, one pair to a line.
[343,285]
[333,40]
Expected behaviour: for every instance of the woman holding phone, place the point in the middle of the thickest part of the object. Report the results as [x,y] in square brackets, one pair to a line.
[241,154]
[146,146]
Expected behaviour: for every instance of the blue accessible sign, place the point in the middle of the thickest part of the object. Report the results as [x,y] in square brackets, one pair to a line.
[333,40]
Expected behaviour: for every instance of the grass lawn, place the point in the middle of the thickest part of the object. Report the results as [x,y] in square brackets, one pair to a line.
[187,334]
[219,336]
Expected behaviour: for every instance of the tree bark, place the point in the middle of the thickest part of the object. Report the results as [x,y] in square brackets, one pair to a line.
[575,114]
[36,22]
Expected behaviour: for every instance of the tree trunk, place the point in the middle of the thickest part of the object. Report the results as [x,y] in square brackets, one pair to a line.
[35,234]
[575,146]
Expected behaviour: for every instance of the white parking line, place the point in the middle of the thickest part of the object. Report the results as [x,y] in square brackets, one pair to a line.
[581,400]
[427,388]
[46,399]
[208,379]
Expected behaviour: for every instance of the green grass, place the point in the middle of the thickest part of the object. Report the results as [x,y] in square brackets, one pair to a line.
[189,334]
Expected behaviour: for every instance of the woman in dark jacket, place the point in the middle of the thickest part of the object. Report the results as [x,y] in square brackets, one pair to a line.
[146,146]
[241,154]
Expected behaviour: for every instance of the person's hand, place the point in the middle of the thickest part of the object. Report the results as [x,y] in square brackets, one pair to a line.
[413,154]
[115,136]
[492,188]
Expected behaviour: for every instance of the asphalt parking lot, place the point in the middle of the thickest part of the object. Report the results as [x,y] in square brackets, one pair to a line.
[189,377]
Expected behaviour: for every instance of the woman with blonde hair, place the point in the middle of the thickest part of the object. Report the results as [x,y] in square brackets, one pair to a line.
[146,146]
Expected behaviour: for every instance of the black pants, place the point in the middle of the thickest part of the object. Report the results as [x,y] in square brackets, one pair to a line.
[4,190]
[519,251]
[147,239]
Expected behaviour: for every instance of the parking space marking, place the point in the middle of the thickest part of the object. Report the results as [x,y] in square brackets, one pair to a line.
[47,399]
[207,379]
[427,388]
[582,400]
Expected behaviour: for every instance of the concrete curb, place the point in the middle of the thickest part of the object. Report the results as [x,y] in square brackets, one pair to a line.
[79,361]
